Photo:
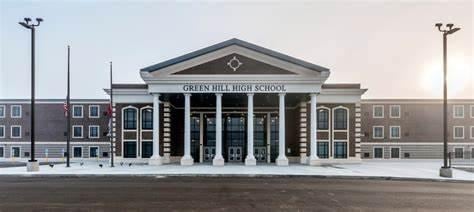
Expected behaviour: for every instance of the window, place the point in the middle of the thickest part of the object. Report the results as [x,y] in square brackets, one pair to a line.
[15,111]
[15,131]
[323,149]
[458,111]
[378,111]
[77,111]
[394,111]
[147,119]
[459,153]
[323,119]
[77,152]
[378,132]
[15,152]
[2,131]
[340,119]
[2,152]
[77,131]
[378,152]
[472,111]
[93,152]
[395,132]
[94,111]
[340,149]
[94,131]
[129,149]
[2,111]
[147,149]
[394,152]
[130,119]
[458,132]
[472,132]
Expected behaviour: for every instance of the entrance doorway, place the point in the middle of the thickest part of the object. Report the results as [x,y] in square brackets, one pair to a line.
[235,137]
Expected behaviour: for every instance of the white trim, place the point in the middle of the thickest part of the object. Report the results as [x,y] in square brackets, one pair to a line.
[399,132]
[413,143]
[98,151]
[4,111]
[373,132]
[332,136]
[378,147]
[472,111]
[98,131]
[11,111]
[82,131]
[82,111]
[399,152]
[454,111]
[399,111]
[454,132]
[3,126]
[11,151]
[472,132]
[11,131]
[137,144]
[98,111]
[105,142]
[373,111]
[82,151]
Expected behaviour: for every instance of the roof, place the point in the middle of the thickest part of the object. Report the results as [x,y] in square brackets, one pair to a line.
[341,86]
[234,41]
[130,86]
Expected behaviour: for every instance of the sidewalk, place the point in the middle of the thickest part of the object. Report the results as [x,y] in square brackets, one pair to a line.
[403,169]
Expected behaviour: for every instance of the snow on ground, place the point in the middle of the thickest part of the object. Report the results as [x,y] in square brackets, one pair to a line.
[415,169]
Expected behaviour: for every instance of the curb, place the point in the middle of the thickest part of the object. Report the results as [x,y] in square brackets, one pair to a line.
[245,176]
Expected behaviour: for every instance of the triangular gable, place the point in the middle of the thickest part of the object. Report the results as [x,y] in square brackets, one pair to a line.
[234,64]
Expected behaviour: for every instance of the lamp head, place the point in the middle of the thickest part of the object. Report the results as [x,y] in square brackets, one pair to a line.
[39,19]
[452,31]
[27,20]
[450,25]
[438,25]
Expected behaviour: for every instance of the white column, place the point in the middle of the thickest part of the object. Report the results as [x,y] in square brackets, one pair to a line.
[250,159]
[313,158]
[156,158]
[187,159]
[218,159]
[281,160]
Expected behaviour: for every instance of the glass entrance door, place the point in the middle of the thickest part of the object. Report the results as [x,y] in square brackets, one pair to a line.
[235,138]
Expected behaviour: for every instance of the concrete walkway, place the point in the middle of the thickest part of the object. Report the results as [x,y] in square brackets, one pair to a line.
[406,169]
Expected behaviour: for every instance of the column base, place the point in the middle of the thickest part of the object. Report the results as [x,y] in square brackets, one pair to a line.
[303,159]
[281,161]
[187,160]
[218,161]
[446,172]
[166,158]
[250,161]
[32,166]
[155,161]
[314,161]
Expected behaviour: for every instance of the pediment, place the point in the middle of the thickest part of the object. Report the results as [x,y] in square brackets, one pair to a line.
[234,64]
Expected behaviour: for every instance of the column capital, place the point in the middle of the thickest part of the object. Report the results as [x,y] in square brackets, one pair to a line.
[314,94]
[281,94]
[186,94]
[155,94]
[218,94]
[250,94]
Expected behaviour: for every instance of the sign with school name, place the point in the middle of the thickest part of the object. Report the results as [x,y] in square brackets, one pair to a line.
[234,88]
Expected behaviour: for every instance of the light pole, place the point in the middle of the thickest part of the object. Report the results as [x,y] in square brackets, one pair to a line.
[445,170]
[32,164]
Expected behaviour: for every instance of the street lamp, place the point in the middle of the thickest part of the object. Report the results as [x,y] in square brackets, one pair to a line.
[445,170]
[32,164]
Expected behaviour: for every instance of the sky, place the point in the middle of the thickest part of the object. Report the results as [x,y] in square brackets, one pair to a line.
[390,47]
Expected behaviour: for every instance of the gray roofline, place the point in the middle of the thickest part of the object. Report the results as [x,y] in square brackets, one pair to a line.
[54,100]
[234,41]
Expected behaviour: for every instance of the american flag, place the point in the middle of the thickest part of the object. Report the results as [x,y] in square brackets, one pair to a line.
[108,113]
[66,109]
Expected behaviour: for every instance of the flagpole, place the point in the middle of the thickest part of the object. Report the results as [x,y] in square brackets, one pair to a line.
[110,121]
[68,111]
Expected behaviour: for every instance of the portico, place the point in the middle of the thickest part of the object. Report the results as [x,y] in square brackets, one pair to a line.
[235,102]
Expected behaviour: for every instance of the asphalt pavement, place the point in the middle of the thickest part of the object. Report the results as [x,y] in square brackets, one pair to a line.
[121,193]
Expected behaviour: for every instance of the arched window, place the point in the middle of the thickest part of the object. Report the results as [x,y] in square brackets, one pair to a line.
[147,119]
[130,119]
[323,119]
[340,119]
